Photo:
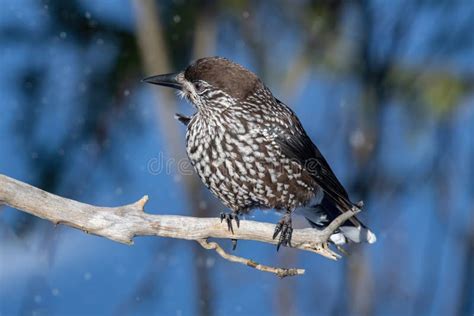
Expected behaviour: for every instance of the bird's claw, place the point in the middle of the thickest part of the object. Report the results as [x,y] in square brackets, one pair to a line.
[284,228]
[228,217]
[234,244]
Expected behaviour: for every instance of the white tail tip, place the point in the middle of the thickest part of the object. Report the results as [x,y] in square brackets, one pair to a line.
[371,238]
[354,234]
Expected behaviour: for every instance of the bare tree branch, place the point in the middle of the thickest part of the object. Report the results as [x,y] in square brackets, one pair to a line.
[122,223]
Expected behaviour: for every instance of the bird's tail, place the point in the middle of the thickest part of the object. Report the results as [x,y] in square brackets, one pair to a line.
[321,215]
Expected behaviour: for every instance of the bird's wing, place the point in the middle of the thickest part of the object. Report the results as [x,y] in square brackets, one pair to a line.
[298,146]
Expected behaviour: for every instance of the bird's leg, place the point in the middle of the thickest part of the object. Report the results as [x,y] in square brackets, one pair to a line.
[228,217]
[283,227]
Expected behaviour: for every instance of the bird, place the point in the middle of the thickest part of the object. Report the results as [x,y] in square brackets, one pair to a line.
[252,152]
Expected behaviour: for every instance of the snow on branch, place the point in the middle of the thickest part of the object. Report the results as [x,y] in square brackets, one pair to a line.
[122,223]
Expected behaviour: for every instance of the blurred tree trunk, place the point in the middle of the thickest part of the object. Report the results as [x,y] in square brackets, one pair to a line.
[285,298]
[204,45]
[465,305]
[359,295]
[154,52]
[436,247]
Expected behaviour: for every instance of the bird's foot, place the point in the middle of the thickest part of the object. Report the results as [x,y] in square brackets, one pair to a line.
[283,227]
[234,244]
[228,217]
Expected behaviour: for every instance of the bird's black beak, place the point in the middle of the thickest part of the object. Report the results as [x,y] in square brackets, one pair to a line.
[167,80]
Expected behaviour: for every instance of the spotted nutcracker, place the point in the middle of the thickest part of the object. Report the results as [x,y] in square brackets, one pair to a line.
[251,151]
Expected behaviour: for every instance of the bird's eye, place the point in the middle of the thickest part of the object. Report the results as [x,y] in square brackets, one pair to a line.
[198,86]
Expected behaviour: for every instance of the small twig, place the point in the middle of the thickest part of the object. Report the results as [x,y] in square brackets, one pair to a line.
[280,272]
[338,221]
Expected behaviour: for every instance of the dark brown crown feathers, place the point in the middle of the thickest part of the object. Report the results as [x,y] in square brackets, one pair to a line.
[224,75]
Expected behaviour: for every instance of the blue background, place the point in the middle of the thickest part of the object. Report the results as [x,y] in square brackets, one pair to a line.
[384,88]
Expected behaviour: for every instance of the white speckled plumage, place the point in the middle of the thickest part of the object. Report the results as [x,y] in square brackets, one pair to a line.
[246,147]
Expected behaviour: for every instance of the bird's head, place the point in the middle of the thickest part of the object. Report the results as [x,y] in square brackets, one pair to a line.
[211,83]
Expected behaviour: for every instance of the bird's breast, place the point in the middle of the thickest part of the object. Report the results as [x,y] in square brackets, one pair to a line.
[245,169]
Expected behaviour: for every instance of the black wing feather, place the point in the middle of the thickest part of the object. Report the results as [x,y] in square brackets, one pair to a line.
[298,146]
